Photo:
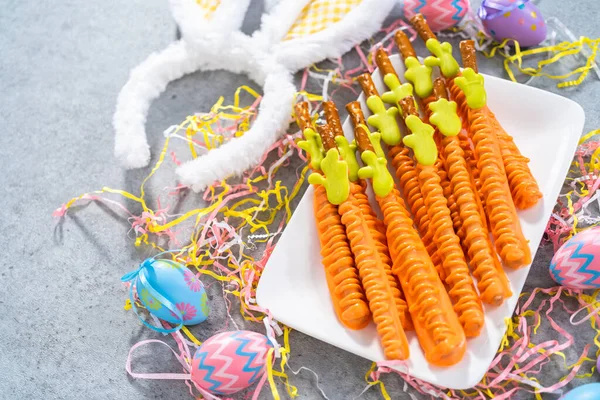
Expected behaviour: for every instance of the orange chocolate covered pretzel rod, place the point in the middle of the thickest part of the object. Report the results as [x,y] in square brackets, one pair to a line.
[368,261]
[467,304]
[375,281]
[376,226]
[438,329]
[449,73]
[523,186]
[409,183]
[492,282]
[406,51]
[504,222]
[345,289]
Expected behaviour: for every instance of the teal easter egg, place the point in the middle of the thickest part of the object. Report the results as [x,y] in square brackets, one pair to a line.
[166,287]
[591,391]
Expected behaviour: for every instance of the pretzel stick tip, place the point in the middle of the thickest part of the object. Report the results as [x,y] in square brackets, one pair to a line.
[302,115]
[367,85]
[467,51]
[326,136]
[356,114]
[408,107]
[383,62]
[404,45]
[422,28]
[439,89]
[333,118]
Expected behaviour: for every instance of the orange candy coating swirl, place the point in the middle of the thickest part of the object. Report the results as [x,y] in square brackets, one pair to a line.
[377,229]
[491,281]
[440,334]
[458,278]
[409,183]
[344,285]
[504,222]
[375,282]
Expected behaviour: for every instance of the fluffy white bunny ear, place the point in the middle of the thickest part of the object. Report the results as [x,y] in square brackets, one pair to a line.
[328,29]
[207,24]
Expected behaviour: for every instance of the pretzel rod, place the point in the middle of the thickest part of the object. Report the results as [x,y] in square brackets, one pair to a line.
[467,52]
[326,137]
[333,118]
[492,282]
[404,45]
[376,227]
[383,62]
[523,186]
[367,260]
[422,28]
[302,115]
[367,85]
[467,304]
[342,278]
[439,332]
[374,280]
[358,120]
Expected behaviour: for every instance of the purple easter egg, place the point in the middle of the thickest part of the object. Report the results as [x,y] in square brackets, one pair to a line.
[513,19]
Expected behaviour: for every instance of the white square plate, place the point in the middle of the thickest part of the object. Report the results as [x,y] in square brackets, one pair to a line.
[545,126]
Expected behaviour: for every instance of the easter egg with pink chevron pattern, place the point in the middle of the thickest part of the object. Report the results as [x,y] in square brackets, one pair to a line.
[230,361]
[440,14]
[576,265]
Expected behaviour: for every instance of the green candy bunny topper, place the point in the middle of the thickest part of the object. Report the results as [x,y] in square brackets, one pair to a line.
[335,170]
[442,57]
[313,147]
[334,175]
[397,91]
[421,138]
[419,75]
[471,83]
[334,178]
[376,163]
[416,73]
[383,119]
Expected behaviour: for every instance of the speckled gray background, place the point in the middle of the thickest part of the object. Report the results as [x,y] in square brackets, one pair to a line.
[63,331]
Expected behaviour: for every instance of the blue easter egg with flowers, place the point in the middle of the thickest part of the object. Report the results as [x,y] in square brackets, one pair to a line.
[171,292]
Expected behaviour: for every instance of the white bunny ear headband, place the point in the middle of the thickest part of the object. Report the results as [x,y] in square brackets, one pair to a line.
[293,35]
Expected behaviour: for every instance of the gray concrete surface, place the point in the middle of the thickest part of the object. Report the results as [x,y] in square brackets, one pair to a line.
[63,331]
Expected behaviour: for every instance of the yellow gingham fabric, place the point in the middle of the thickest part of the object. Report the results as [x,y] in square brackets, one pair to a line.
[318,15]
[209,7]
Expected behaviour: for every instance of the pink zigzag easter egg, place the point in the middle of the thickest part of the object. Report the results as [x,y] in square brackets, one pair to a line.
[230,361]
[440,14]
[576,264]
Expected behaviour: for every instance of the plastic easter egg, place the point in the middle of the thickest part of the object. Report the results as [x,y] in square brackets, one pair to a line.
[170,291]
[513,19]
[576,264]
[591,391]
[440,14]
[230,361]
